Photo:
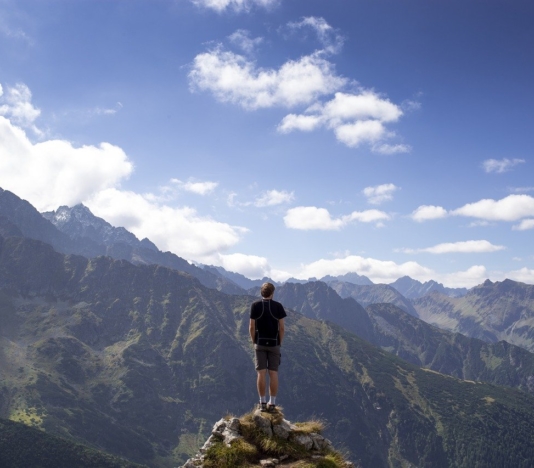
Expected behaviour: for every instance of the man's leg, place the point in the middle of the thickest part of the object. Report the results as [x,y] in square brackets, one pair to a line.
[273,386]
[261,383]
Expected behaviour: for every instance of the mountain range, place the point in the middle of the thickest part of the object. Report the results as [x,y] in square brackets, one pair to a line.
[78,231]
[139,360]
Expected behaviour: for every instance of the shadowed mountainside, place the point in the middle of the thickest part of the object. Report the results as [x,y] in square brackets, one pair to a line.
[23,446]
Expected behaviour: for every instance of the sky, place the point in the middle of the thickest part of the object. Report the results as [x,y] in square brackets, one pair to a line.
[283,138]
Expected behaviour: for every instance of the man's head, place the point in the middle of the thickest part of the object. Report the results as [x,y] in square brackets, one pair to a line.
[267,290]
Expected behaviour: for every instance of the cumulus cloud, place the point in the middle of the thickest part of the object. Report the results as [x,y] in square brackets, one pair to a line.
[379,271]
[469,278]
[54,172]
[524,275]
[309,82]
[510,208]
[427,212]
[354,119]
[524,225]
[16,105]
[313,218]
[330,39]
[198,187]
[500,166]
[274,197]
[383,271]
[232,78]
[380,193]
[181,230]
[251,266]
[473,246]
[237,5]
[241,38]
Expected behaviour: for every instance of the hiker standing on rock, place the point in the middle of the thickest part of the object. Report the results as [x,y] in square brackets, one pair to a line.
[267,332]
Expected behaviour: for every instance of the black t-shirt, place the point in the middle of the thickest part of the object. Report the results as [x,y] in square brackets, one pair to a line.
[266,313]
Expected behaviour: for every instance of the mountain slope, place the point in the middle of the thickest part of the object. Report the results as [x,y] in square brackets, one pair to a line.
[413,289]
[25,446]
[412,339]
[318,301]
[373,294]
[491,312]
[140,360]
[77,231]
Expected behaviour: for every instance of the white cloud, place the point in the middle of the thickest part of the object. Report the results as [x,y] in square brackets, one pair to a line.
[330,39]
[53,172]
[524,275]
[181,230]
[473,246]
[232,78]
[379,271]
[361,107]
[510,208]
[522,189]
[354,118]
[361,131]
[383,271]
[380,193]
[241,38]
[251,266]
[426,212]
[469,278]
[105,110]
[11,32]
[385,148]
[500,166]
[274,197]
[16,105]
[524,225]
[304,123]
[237,5]
[313,218]
[200,188]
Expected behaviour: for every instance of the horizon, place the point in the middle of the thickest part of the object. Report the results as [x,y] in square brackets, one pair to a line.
[282,139]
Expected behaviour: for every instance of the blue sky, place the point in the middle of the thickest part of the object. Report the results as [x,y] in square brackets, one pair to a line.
[282,137]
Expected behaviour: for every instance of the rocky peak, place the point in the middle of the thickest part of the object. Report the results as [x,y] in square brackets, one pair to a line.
[79,222]
[266,439]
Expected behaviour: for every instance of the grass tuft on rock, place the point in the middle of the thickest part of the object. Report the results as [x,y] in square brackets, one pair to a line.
[256,445]
[238,454]
[309,427]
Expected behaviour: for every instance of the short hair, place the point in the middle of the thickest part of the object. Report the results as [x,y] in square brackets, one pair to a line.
[267,289]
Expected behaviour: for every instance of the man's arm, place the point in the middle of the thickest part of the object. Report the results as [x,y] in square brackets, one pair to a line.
[281,329]
[252,329]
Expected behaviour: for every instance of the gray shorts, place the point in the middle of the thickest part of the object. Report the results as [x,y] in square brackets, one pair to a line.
[268,357]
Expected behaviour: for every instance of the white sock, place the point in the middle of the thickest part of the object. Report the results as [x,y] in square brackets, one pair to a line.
[263,399]
[272,400]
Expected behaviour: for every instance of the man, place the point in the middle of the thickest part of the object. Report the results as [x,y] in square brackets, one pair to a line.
[267,333]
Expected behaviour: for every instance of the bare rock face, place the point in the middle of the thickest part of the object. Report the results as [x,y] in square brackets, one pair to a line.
[228,430]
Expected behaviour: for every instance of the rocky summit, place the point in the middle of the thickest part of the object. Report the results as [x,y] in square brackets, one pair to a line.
[264,439]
